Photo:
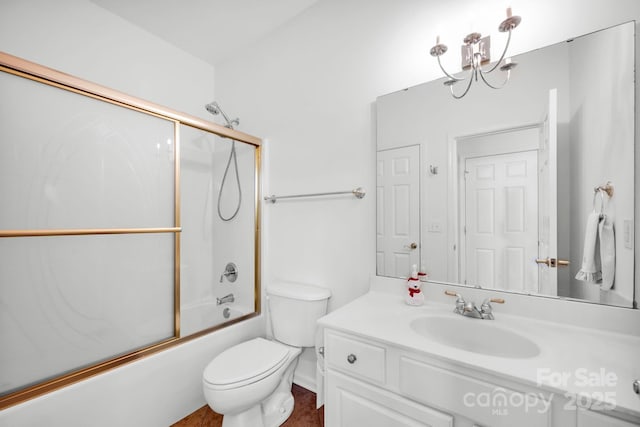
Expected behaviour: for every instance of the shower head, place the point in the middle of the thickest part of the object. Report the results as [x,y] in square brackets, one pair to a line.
[215,109]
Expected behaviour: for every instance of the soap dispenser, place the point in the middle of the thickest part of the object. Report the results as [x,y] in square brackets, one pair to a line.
[414,294]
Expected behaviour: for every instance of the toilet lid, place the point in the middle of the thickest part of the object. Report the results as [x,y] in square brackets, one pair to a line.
[245,363]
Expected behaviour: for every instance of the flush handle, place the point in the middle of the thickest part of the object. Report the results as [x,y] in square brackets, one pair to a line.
[352,358]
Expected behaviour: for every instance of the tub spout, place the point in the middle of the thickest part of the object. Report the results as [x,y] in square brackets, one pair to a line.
[225,299]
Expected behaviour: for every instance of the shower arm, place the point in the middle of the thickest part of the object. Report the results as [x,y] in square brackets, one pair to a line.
[226,119]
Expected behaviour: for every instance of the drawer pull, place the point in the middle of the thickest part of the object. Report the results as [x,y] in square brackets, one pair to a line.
[352,358]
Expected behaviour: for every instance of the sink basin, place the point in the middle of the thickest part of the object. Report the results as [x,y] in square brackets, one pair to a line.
[475,335]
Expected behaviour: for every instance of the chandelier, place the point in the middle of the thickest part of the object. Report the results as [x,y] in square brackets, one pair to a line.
[476,54]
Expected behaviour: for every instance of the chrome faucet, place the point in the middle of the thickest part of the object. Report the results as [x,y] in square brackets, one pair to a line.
[470,309]
[225,299]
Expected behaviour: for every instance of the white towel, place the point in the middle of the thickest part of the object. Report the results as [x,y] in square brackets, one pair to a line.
[590,271]
[606,236]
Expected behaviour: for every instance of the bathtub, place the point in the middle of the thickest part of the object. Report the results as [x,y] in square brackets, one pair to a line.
[199,316]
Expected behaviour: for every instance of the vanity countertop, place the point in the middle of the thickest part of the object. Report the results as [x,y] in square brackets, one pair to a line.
[573,361]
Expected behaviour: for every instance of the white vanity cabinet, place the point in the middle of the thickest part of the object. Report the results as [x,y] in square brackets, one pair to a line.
[382,371]
[374,384]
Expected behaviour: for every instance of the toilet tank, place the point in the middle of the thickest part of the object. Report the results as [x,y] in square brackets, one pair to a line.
[294,309]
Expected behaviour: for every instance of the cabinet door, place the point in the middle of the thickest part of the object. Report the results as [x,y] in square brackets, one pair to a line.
[588,418]
[485,403]
[351,403]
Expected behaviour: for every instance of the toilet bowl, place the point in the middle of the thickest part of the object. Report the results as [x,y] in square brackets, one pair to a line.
[250,383]
[244,376]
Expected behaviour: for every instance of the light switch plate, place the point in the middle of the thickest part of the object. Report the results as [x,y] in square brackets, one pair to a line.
[628,233]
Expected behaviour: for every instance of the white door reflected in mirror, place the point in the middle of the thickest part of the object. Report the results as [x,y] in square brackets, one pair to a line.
[398,211]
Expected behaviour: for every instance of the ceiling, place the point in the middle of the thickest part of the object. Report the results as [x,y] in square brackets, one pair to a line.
[211,30]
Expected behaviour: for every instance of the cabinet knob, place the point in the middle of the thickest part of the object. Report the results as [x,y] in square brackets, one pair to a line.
[352,358]
[636,386]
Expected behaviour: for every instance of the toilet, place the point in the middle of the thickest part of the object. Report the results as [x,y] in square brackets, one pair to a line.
[250,383]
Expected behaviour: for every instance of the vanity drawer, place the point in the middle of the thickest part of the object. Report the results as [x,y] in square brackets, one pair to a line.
[355,357]
[485,403]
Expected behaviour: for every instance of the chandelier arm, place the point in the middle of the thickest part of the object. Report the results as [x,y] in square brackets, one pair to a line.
[496,87]
[447,74]
[504,52]
[463,93]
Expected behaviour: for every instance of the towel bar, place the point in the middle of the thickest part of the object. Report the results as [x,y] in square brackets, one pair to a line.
[358,192]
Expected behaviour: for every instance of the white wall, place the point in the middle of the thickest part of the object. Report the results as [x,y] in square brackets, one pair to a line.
[310,87]
[79,38]
[84,40]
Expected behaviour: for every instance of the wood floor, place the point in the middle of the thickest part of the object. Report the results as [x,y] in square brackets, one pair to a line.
[304,413]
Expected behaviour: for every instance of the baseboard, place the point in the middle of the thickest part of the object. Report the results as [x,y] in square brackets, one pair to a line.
[305,381]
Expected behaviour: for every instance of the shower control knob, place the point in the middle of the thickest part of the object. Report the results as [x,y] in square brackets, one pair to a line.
[352,358]
[636,386]
[230,272]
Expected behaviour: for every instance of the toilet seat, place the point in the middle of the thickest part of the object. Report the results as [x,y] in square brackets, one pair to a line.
[245,363]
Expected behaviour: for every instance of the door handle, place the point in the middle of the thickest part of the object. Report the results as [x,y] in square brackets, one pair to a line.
[412,246]
[552,262]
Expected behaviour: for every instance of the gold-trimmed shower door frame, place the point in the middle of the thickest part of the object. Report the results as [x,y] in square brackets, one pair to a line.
[39,73]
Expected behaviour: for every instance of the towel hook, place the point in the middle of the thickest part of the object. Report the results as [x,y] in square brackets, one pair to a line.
[607,188]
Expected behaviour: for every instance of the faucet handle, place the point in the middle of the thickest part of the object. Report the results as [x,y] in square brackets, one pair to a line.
[487,302]
[230,272]
[455,294]
[487,310]
[460,302]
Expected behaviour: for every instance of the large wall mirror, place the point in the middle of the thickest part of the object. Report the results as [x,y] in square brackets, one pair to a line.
[496,190]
